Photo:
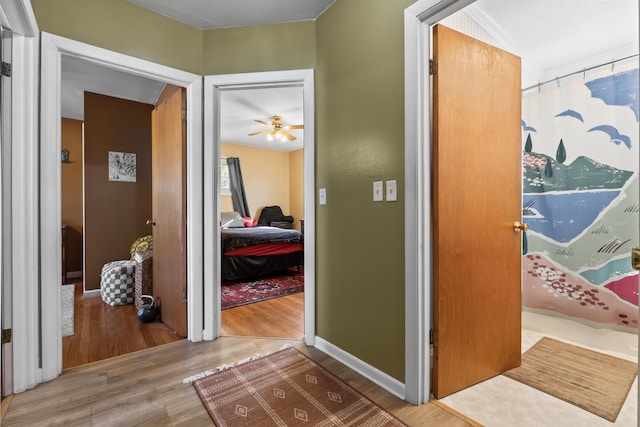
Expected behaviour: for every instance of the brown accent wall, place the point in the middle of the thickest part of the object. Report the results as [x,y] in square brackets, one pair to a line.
[115,212]
[71,196]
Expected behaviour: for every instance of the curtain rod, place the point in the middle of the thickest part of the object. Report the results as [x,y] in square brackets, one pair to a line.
[584,70]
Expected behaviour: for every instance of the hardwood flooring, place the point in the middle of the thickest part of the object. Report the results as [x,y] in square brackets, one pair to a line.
[102,331]
[112,377]
[145,388]
[275,318]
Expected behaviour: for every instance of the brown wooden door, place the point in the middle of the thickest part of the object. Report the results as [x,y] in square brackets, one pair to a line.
[169,208]
[477,198]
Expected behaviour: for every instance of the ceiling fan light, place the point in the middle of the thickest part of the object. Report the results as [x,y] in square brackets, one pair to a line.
[283,137]
[270,136]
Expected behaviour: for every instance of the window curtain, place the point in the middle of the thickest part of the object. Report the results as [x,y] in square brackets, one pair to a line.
[238,195]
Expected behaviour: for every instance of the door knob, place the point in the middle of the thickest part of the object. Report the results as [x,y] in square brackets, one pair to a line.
[635,258]
[151,222]
[519,226]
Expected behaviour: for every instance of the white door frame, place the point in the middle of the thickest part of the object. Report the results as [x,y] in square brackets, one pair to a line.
[213,87]
[22,313]
[418,18]
[52,49]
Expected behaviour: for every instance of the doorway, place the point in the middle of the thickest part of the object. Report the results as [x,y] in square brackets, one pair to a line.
[262,294]
[215,87]
[99,325]
[418,20]
[53,48]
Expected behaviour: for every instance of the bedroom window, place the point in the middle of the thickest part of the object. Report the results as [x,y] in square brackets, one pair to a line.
[225,189]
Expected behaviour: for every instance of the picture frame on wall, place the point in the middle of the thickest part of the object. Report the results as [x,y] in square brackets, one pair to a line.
[122,166]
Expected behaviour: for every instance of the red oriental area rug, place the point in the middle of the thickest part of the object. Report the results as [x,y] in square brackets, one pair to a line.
[286,388]
[241,293]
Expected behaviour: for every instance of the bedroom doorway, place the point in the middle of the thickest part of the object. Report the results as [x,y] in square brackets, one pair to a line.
[261,181]
[248,110]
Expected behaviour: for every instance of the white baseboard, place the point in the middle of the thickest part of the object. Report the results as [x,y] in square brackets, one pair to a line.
[74,274]
[385,381]
[93,293]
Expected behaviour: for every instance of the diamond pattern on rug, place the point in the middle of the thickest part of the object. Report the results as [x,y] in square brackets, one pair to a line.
[242,293]
[243,395]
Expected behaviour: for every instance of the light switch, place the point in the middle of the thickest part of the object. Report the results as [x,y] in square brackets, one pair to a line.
[378,195]
[323,196]
[392,193]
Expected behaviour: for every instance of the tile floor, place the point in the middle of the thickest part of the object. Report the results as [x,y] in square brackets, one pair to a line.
[502,402]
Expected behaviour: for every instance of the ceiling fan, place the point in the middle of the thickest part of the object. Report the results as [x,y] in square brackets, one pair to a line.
[277,130]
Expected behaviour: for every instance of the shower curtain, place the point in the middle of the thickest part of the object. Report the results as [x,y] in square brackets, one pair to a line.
[580,199]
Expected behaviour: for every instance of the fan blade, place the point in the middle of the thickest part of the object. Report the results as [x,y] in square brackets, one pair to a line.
[259,132]
[262,122]
[289,136]
[296,127]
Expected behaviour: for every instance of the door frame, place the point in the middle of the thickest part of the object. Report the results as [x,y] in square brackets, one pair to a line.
[418,19]
[52,49]
[214,85]
[20,357]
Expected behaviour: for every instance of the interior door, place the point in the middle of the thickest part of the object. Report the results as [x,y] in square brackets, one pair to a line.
[477,198]
[169,208]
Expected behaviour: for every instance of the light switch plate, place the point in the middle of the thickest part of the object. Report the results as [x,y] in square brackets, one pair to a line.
[323,196]
[378,195]
[392,191]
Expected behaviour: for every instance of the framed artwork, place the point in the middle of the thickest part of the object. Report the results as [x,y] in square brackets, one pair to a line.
[122,166]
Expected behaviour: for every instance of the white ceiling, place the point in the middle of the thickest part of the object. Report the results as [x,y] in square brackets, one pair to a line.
[553,37]
[211,14]
[79,76]
[239,110]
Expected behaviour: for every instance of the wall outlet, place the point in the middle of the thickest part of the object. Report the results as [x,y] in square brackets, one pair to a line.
[392,191]
[322,195]
[378,191]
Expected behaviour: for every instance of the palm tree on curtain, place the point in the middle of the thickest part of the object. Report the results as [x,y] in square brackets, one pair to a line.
[236,185]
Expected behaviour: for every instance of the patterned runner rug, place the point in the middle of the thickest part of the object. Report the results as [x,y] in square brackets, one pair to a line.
[596,382]
[286,388]
[241,293]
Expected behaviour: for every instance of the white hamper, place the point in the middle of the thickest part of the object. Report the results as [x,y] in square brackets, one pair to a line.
[117,282]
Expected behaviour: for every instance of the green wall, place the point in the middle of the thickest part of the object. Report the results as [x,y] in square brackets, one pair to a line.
[122,27]
[360,139]
[356,48]
[273,47]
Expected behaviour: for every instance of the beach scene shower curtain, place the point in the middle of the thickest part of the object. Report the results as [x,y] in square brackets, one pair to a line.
[580,199]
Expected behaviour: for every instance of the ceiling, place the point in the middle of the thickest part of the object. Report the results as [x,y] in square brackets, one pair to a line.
[212,14]
[551,36]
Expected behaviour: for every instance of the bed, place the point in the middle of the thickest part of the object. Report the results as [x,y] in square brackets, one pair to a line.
[254,252]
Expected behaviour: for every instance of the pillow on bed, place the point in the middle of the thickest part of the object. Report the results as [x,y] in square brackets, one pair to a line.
[249,222]
[231,220]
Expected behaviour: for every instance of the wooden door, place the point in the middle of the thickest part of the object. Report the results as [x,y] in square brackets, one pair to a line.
[169,208]
[477,188]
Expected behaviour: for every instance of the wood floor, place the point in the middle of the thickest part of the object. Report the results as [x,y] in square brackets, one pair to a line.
[103,331]
[139,380]
[145,388]
[275,318]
